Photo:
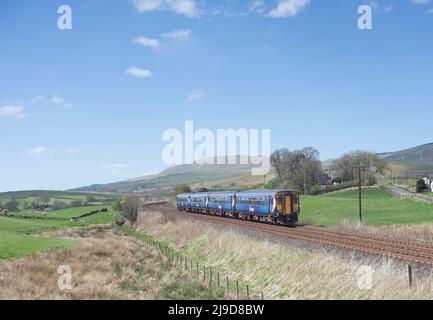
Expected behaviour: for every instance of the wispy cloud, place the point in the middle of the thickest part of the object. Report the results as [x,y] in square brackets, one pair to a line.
[288,8]
[146,5]
[139,73]
[197,94]
[421,1]
[147,42]
[181,34]
[40,151]
[16,112]
[188,8]
[257,6]
[60,102]
[37,99]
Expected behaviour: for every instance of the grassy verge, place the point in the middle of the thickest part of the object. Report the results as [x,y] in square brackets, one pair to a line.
[379,208]
[279,269]
[105,264]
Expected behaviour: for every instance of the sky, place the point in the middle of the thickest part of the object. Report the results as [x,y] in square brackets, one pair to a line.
[90,104]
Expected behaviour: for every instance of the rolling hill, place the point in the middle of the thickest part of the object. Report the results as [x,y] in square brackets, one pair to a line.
[192,174]
[413,161]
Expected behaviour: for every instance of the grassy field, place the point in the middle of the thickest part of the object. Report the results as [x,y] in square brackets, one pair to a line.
[25,198]
[379,208]
[17,232]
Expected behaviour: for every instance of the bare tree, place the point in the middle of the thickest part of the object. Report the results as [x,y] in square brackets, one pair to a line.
[371,165]
[299,169]
[130,207]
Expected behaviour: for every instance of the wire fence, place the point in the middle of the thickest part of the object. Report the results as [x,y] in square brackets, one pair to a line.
[214,279]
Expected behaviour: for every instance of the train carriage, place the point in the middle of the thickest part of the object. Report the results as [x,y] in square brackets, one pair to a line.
[221,203]
[273,206]
[183,202]
[199,202]
[270,206]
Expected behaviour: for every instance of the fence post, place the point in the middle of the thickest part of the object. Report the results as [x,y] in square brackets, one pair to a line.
[227,282]
[409,273]
[237,289]
[218,279]
[210,276]
[263,297]
[248,292]
[197,271]
[204,273]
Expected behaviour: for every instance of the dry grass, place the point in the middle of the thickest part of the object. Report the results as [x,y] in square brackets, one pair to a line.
[105,265]
[420,232]
[279,269]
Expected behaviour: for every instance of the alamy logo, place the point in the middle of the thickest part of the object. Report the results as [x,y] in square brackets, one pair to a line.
[203,147]
[65,20]
[365,21]
[65,280]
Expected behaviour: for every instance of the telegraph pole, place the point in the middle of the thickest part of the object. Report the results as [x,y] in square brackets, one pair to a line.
[359,191]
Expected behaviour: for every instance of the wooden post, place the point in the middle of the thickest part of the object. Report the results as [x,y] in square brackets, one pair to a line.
[227,282]
[237,289]
[218,279]
[210,277]
[248,292]
[204,273]
[263,297]
[409,273]
[197,271]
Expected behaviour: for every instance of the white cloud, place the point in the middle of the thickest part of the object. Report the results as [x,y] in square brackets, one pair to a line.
[288,8]
[187,8]
[197,94]
[40,151]
[139,73]
[116,168]
[71,151]
[37,99]
[420,1]
[181,34]
[147,42]
[16,112]
[257,6]
[60,102]
[146,5]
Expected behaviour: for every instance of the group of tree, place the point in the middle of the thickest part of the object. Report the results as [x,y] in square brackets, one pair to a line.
[346,168]
[298,169]
[302,170]
[10,205]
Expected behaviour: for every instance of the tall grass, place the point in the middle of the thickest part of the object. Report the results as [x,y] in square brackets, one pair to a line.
[279,269]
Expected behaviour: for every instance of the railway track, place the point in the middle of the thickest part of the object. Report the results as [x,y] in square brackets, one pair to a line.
[405,250]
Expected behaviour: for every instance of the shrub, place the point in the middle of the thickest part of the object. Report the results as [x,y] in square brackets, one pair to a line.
[130,208]
[421,186]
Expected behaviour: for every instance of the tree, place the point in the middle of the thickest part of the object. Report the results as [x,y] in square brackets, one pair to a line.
[371,166]
[12,204]
[131,207]
[299,169]
[117,205]
[183,188]
[421,186]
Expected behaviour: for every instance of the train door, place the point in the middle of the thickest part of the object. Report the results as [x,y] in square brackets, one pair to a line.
[287,204]
[280,203]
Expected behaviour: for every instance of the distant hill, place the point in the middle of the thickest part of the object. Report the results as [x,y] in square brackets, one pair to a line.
[192,174]
[412,161]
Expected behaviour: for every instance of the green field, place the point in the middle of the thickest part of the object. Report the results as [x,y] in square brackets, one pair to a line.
[17,232]
[379,208]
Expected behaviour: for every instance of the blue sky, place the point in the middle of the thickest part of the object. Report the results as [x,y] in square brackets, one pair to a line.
[89,105]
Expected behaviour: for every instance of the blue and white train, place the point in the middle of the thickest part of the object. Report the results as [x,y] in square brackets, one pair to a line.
[269,206]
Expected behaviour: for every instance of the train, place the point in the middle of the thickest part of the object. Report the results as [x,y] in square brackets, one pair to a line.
[281,207]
